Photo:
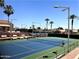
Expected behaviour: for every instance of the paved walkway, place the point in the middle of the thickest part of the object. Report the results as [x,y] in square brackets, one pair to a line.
[74,54]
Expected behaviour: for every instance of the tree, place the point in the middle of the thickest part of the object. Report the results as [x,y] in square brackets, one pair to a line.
[38,28]
[72,21]
[1,3]
[60,28]
[51,22]
[8,10]
[46,22]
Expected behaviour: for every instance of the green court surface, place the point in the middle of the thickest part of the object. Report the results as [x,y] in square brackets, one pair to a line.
[59,49]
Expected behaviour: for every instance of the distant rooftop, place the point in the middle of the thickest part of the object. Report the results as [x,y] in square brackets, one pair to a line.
[4,23]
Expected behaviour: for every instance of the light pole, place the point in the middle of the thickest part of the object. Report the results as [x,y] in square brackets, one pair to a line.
[67,8]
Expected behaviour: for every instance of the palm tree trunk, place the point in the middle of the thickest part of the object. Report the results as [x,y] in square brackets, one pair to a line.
[72,25]
[46,25]
[10,29]
[8,21]
[51,26]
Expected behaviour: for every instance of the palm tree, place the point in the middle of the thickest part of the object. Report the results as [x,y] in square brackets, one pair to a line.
[1,3]
[51,22]
[8,10]
[72,21]
[46,22]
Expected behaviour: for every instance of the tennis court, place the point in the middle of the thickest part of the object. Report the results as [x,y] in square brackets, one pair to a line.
[16,49]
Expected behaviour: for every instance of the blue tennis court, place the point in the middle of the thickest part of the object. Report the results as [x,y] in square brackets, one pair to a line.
[16,49]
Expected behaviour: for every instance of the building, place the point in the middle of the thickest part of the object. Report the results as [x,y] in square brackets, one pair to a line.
[5,26]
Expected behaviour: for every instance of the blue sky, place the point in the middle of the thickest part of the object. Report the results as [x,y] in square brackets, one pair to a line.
[28,12]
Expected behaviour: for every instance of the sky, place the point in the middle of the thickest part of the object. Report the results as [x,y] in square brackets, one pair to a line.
[28,12]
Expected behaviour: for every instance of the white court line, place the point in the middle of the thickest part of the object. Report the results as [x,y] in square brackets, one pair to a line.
[23,46]
[27,52]
[42,55]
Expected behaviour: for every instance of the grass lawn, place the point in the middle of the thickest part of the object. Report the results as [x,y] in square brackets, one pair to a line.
[49,52]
